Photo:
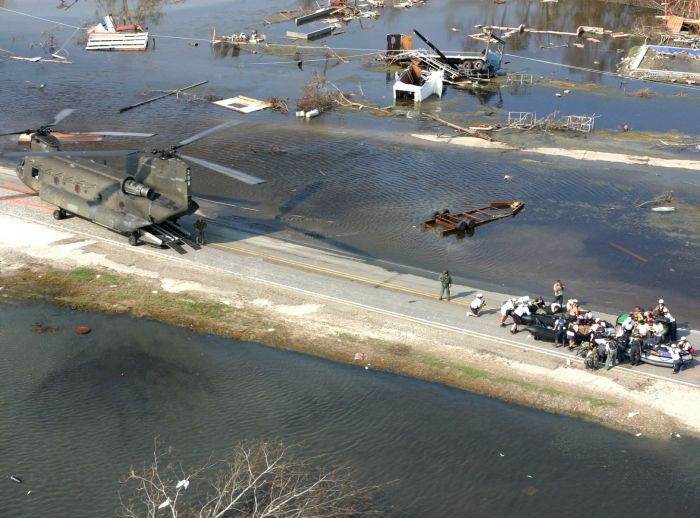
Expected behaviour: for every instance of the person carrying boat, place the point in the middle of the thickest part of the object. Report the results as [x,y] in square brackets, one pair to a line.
[560,330]
[558,290]
[445,283]
[610,354]
[635,350]
[659,308]
[476,305]
[678,364]
[517,315]
[506,311]
[672,325]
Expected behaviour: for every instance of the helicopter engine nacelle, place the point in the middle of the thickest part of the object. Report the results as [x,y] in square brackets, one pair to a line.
[134,188]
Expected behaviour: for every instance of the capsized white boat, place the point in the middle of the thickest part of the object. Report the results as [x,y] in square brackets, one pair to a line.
[417,85]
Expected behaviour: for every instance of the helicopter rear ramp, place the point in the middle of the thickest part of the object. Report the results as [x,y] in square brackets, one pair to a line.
[168,234]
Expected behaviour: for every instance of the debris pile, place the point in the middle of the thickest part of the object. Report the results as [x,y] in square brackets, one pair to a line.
[551,122]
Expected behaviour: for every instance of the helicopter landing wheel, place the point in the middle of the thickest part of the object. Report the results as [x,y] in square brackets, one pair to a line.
[134,238]
[59,214]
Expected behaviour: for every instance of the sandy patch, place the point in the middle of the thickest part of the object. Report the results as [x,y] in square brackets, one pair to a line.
[178,286]
[300,310]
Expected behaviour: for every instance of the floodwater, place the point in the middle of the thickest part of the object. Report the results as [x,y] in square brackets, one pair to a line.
[360,182]
[78,410]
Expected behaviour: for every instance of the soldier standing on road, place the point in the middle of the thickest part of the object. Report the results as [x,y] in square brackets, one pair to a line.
[199,226]
[445,282]
[558,289]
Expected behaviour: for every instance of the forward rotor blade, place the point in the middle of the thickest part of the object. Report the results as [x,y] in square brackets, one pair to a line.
[60,116]
[118,134]
[15,133]
[72,154]
[205,133]
[231,173]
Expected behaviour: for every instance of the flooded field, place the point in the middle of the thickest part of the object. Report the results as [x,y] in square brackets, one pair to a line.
[361,182]
[78,411]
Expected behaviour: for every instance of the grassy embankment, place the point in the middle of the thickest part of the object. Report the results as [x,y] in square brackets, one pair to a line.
[90,289]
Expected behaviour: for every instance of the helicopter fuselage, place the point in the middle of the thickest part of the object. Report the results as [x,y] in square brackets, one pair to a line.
[158,190]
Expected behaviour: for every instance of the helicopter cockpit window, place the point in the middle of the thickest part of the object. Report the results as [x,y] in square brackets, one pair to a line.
[35,172]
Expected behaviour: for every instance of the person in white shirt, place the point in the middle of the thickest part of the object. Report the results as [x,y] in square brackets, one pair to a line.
[476,305]
[677,360]
[643,330]
[507,310]
[518,316]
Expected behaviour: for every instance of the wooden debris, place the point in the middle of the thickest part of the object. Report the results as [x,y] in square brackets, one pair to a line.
[462,129]
[172,92]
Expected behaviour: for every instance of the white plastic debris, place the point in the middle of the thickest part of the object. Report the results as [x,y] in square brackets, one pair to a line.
[366,368]
[529,476]
[183,483]
[164,504]
[501,454]
[558,94]
[677,435]
[155,292]
[270,329]
[113,286]
[566,91]
[568,362]
[507,177]
[638,434]
[632,414]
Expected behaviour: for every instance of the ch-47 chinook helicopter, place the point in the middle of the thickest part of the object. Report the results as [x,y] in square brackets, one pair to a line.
[144,201]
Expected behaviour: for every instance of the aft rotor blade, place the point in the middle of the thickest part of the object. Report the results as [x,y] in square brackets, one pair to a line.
[15,133]
[60,116]
[71,154]
[118,134]
[231,173]
[205,133]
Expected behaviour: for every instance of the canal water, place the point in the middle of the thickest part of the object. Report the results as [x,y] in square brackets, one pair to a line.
[76,411]
[361,183]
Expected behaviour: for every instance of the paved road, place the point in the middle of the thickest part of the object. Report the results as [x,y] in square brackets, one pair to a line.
[326,274]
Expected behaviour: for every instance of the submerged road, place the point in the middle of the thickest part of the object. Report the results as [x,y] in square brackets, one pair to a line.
[321,273]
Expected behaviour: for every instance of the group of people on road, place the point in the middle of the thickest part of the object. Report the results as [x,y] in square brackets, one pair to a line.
[580,329]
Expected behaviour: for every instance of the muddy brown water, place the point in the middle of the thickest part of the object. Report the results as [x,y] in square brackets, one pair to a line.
[361,183]
[78,410]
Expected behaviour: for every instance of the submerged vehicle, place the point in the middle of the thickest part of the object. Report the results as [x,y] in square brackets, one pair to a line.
[444,223]
[458,65]
[415,84]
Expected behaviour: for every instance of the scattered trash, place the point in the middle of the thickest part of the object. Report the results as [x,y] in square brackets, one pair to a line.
[664,197]
[529,476]
[501,454]
[155,292]
[237,39]
[568,362]
[29,492]
[638,434]
[108,36]
[183,483]
[243,104]
[632,414]
[16,479]
[676,435]
[270,329]
[552,122]
[366,367]
[508,177]
[82,330]
[558,94]
[312,113]
[164,504]
[169,93]
[112,285]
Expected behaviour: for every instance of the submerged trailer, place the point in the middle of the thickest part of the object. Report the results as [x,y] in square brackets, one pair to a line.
[484,64]
[444,223]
